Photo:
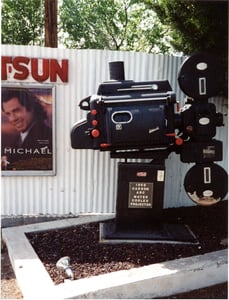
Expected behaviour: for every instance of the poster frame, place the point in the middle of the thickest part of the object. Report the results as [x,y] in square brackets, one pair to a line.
[50,172]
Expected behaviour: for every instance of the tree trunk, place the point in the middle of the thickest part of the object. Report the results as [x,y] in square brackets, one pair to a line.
[51,23]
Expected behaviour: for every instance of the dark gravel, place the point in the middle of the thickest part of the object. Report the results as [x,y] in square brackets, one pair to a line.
[89,257]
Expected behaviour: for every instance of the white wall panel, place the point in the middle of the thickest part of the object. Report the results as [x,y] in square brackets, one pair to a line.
[86,180]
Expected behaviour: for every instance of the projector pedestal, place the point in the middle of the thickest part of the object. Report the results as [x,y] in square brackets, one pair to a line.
[139,208]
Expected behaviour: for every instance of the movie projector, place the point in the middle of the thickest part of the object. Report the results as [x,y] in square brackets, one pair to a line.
[140,120]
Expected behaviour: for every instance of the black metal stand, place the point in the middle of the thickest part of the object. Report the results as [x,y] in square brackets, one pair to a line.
[139,208]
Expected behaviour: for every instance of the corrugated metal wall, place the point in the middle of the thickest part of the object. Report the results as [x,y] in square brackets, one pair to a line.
[86,180]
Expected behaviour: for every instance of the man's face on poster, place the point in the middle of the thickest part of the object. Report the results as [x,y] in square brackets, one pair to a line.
[18,115]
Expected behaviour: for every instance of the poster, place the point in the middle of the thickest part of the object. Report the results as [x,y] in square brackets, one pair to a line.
[27,130]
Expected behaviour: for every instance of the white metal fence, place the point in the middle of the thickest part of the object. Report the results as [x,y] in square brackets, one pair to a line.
[85,180]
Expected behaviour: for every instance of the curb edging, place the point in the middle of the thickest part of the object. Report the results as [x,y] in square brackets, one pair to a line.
[152,281]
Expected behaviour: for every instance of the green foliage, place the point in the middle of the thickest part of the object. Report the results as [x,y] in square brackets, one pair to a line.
[196,25]
[112,24]
[22,22]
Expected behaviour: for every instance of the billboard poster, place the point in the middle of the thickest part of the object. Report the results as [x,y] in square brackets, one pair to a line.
[27,130]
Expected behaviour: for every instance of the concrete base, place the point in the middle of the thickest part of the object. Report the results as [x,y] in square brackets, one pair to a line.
[159,233]
[153,281]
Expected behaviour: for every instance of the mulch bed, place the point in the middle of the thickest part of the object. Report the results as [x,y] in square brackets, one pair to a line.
[90,258]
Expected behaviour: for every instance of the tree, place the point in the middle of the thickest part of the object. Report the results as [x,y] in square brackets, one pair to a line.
[196,25]
[112,24]
[22,22]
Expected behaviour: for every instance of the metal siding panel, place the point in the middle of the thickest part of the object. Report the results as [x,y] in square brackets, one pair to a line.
[86,180]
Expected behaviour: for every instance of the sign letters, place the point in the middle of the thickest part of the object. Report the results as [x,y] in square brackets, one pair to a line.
[38,69]
[140,195]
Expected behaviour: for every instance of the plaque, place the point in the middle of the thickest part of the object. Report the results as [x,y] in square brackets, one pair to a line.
[140,195]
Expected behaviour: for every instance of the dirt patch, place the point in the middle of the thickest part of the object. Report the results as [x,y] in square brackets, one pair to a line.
[90,258]
[9,286]
[209,225]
